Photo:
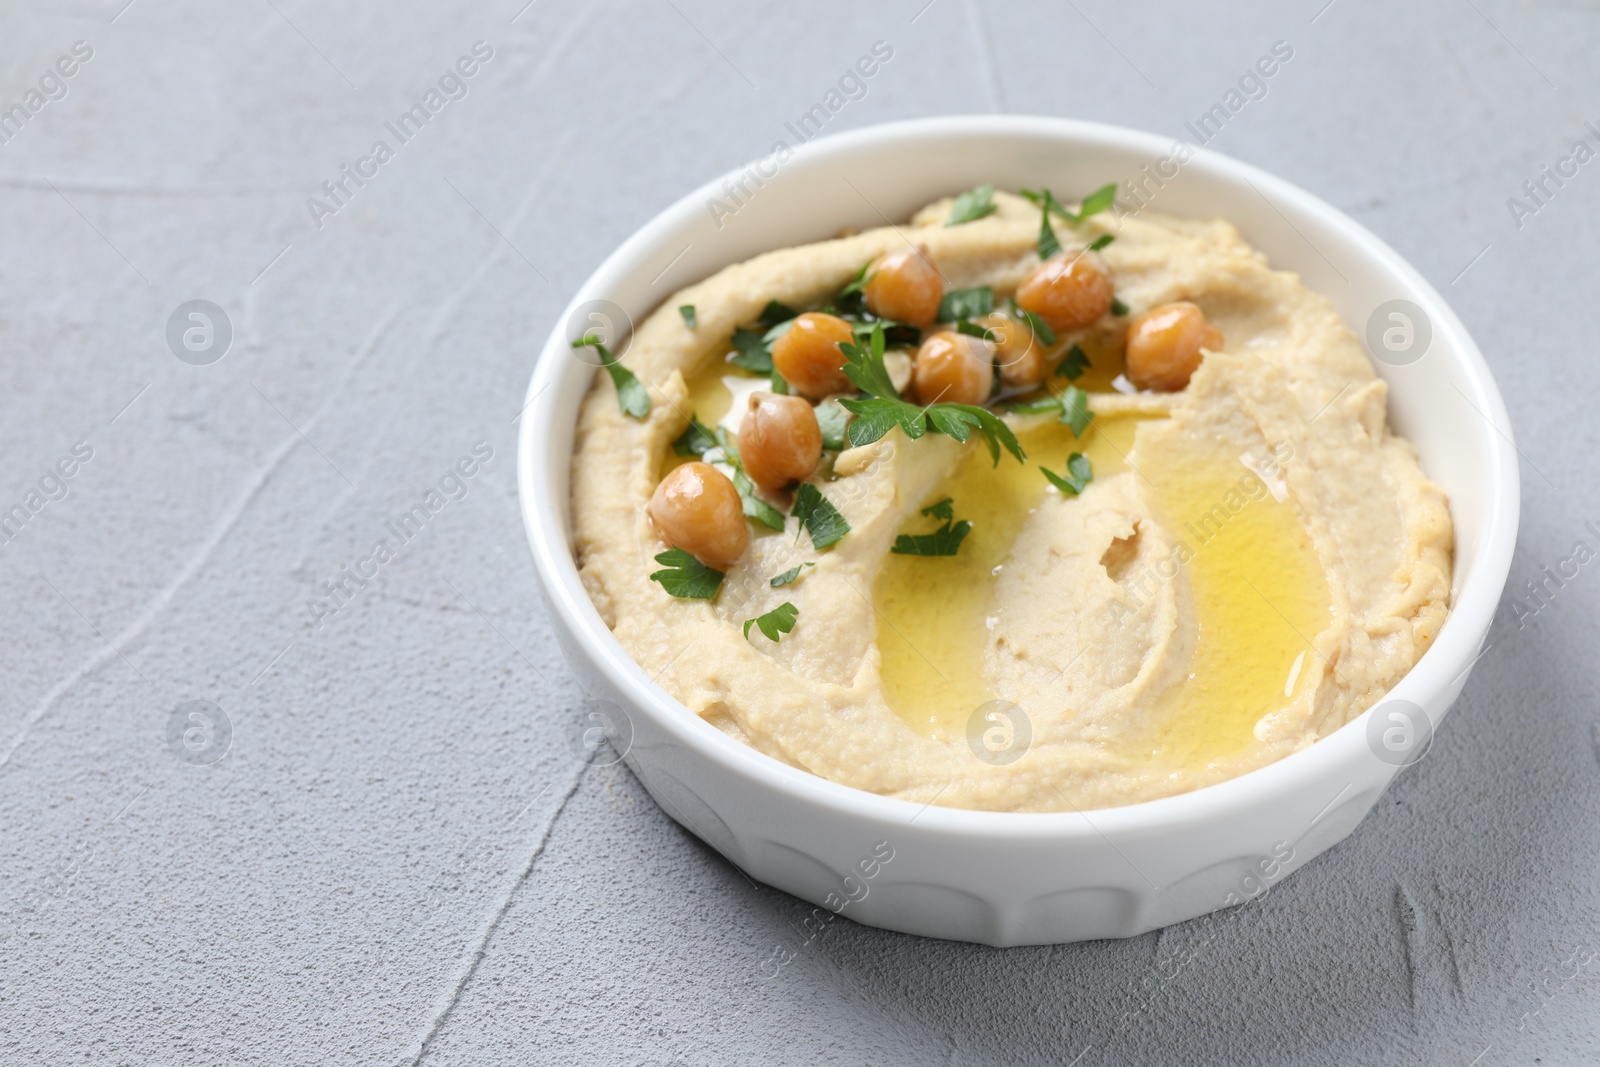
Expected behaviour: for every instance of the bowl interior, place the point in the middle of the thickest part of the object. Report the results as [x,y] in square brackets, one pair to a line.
[1445,402]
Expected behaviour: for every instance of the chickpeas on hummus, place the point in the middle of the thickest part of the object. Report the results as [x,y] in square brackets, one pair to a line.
[1014,507]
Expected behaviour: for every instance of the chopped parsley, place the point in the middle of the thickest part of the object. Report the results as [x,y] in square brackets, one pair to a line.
[972,329]
[818,515]
[832,420]
[1079,474]
[966,303]
[687,311]
[1093,204]
[945,541]
[1118,307]
[882,409]
[632,397]
[754,354]
[1101,241]
[775,623]
[1073,364]
[1049,244]
[849,298]
[686,577]
[1041,329]
[778,581]
[1071,407]
[972,205]
[776,312]
[754,507]
[697,440]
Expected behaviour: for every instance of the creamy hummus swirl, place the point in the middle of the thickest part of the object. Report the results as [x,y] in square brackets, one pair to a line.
[1114,619]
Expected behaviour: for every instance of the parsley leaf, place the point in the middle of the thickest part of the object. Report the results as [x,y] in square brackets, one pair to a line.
[818,515]
[832,420]
[1073,365]
[849,298]
[1101,241]
[864,364]
[972,205]
[945,541]
[754,355]
[972,329]
[1075,410]
[775,623]
[966,303]
[754,507]
[787,577]
[876,416]
[1093,204]
[696,440]
[687,311]
[776,312]
[1049,245]
[632,397]
[1071,407]
[686,577]
[959,420]
[1118,307]
[1079,474]
[1041,329]
[1097,201]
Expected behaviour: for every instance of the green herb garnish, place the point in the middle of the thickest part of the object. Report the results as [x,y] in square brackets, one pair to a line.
[1093,204]
[818,515]
[1049,245]
[882,409]
[788,576]
[775,623]
[776,312]
[687,311]
[972,205]
[1118,307]
[858,282]
[632,397]
[972,329]
[1041,329]
[1071,407]
[966,303]
[697,440]
[945,541]
[1100,242]
[1073,364]
[754,507]
[686,577]
[832,420]
[1078,475]
[754,355]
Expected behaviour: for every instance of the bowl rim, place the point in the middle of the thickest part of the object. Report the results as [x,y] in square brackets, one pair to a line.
[1435,673]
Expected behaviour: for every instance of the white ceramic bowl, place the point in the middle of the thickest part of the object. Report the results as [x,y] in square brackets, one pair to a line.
[1012,879]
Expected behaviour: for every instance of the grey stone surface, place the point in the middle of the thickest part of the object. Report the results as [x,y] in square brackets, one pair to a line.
[399,859]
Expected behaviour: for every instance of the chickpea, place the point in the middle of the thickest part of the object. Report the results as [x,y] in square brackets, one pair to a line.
[780,442]
[1018,353]
[952,368]
[904,286]
[808,355]
[697,509]
[1068,291]
[1164,345]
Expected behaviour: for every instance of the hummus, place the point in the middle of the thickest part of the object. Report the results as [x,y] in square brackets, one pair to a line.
[1256,559]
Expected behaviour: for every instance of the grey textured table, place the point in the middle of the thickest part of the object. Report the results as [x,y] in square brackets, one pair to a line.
[399,858]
